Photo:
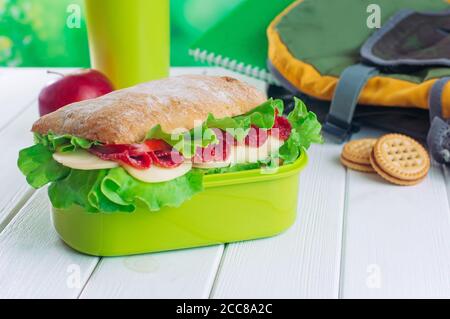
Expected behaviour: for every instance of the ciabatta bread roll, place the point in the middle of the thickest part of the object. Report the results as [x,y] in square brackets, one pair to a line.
[125,116]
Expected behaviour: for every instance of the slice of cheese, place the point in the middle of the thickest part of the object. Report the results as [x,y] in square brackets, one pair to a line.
[248,154]
[83,160]
[217,164]
[240,154]
[156,174]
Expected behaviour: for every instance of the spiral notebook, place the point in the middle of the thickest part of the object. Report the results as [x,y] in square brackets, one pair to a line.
[239,41]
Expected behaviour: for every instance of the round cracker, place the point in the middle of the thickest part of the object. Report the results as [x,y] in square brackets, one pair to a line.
[390,178]
[401,157]
[358,151]
[356,166]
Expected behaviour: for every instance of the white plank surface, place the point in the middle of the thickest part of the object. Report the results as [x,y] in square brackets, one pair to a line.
[34,262]
[186,273]
[304,261]
[14,186]
[397,241]
[19,89]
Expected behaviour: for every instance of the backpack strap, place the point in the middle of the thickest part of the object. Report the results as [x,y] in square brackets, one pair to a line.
[435,98]
[439,133]
[338,123]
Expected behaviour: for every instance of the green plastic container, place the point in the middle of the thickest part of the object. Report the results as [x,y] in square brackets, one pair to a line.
[233,207]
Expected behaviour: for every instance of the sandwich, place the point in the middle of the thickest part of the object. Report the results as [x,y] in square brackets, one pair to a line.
[152,145]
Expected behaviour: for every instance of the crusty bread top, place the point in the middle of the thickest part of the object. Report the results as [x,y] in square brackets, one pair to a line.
[176,103]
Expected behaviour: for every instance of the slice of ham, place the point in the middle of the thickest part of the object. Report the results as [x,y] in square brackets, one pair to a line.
[255,138]
[281,128]
[159,153]
[166,159]
[215,152]
[140,156]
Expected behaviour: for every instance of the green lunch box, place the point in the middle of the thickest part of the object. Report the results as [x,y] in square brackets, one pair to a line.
[233,207]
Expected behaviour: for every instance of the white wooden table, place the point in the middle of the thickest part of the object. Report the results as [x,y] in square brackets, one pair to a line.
[355,236]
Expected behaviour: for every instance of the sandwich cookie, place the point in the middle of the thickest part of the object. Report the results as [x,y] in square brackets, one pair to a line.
[400,159]
[356,155]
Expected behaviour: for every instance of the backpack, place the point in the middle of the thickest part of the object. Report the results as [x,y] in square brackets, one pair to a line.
[326,52]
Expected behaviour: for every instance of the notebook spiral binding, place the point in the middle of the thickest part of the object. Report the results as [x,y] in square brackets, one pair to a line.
[232,64]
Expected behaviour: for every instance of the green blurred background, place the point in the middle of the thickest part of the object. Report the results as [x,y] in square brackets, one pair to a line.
[34,32]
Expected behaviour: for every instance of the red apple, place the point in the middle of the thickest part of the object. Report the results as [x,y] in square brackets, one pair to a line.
[73,87]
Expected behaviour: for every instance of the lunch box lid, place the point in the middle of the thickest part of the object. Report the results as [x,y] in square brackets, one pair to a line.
[256,175]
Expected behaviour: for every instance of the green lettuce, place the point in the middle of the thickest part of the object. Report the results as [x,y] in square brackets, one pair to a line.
[63,143]
[185,142]
[115,190]
[262,116]
[234,168]
[82,188]
[37,164]
[305,131]
[122,189]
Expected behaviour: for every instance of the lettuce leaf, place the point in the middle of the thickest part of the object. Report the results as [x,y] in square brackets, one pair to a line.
[229,169]
[186,142]
[63,143]
[305,131]
[82,188]
[122,189]
[262,116]
[37,164]
[115,190]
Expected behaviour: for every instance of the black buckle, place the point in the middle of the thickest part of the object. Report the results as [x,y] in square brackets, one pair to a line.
[337,130]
